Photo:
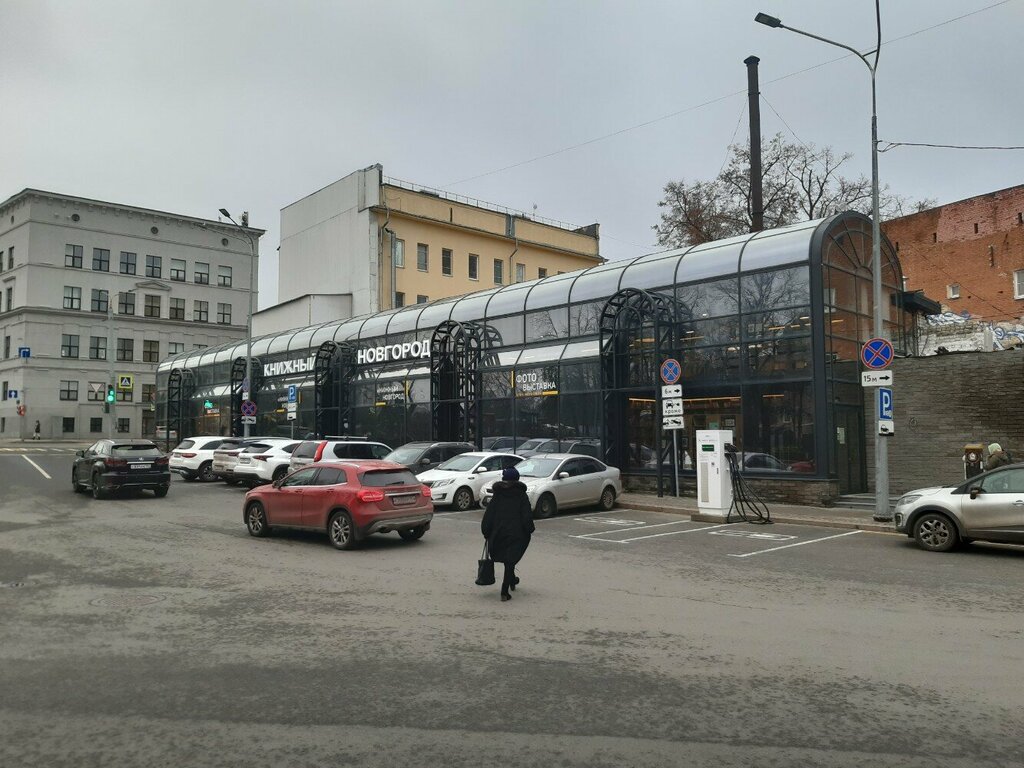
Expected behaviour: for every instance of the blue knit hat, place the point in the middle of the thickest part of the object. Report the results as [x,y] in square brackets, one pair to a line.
[510,474]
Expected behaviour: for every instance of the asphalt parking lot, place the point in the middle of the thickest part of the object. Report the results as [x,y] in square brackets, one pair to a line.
[156,631]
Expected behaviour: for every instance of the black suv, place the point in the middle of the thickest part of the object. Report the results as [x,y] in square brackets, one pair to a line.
[421,456]
[109,465]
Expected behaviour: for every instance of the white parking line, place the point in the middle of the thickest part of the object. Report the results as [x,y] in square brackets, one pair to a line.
[624,530]
[41,470]
[798,544]
[591,536]
[672,533]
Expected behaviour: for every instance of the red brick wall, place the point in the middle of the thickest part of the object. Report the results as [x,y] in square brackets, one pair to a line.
[982,263]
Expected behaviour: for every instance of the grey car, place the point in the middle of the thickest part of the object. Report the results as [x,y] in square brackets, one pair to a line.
[988,507]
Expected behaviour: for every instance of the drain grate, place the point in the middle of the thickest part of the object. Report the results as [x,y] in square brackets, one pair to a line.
[126,601]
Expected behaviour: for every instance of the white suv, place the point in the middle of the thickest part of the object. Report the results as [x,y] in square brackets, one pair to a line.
[331,448]
[193,457]
[264,462]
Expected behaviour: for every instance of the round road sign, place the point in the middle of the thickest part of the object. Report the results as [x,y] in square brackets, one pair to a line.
[876,354]
[248,408]
[671,371]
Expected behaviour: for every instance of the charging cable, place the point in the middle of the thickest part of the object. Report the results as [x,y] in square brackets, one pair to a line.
[747,505]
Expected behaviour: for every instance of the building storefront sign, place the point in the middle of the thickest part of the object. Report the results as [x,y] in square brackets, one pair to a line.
[391,393]
[285,367]
[532,383]
[393,352]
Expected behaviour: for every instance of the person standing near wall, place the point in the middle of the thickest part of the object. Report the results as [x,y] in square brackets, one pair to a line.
[997,457]
[35,433]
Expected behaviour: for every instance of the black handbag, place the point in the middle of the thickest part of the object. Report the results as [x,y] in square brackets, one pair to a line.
[485,567]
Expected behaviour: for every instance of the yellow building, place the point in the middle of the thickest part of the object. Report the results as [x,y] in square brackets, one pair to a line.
[367,243]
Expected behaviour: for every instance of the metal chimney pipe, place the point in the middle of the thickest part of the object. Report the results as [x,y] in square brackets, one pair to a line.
[756,190]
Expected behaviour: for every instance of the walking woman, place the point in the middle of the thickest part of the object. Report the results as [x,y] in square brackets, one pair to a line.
[507,525]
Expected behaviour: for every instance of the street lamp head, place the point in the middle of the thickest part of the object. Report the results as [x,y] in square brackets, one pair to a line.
[768,21]
[224,213]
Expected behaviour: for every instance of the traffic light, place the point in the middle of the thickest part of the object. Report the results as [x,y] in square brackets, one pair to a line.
[208,404]
[110,393]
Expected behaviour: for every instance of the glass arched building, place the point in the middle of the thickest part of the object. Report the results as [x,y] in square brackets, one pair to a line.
[767,328]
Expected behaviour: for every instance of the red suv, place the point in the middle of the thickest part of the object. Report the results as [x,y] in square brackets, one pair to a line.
[348,500]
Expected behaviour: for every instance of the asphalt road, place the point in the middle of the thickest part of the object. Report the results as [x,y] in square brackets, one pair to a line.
[144,631]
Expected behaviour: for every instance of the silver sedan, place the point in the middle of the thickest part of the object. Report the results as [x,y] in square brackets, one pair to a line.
[562,480]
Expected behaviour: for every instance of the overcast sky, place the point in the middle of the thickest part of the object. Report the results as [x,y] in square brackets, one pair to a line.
[193,105]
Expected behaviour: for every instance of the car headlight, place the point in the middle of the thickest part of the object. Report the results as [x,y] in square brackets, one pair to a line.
[439,483]
[908,499]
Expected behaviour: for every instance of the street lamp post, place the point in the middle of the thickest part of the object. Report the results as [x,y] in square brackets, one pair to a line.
[882,512]
[252,276]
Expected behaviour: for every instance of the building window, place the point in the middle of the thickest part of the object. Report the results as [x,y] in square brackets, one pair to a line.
[474,267]
[151,351]
[10,257]
[400,253]
[100,300]
[96,424]
[152,305]
[9,293]
[72,297]
[7,348]
[223,314]
[97,392]
[446,261]
[154,266]
[178,270]
[421,299]
[935,237]
[3,393]
[975,227]
[224,276]
[1018,284]
[175,347]
[67,425]
[124,396]
[68,345]
[123,426]
[97,347]
[399,299]
[202,273]
[69,390]
[199,346]
[73,256]
[149,393]
[499,272]
[177,309]
[953,291]
[541,273]
[200,311]
[422,257]
[101,259]
[126,303]
[520,273]
[125,350]
[128,263]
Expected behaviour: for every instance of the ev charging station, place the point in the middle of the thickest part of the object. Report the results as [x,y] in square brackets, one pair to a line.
[714,483]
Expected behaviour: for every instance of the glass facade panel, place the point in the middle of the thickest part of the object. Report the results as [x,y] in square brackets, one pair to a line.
[778,428]
[546,324]
[404,322]
[434,314]
[508,300]
[778,246]
[551,292]
[598,282]
[652,272]
[778,358]
[508,331]
[777,323]
[777,288]
[585,319]
[711,299]
[711,260]
[472,307]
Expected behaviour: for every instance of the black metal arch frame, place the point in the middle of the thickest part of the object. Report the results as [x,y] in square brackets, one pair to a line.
[334,367]
[181,385]
[632,311]
[455,381]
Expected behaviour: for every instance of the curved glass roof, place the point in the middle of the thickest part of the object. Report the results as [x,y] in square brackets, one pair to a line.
[795,244]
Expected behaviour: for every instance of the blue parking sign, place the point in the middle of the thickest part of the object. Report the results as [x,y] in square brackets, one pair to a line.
[292,393]
[884,404]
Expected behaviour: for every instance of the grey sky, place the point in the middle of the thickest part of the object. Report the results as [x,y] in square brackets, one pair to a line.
[190,106]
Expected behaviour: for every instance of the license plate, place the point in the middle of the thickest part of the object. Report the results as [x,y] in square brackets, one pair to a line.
[141,466]
[245,460]
[404,501]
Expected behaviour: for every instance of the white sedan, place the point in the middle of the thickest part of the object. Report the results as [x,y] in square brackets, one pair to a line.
[561,480]
[265,462]
[459,481]
[193,457]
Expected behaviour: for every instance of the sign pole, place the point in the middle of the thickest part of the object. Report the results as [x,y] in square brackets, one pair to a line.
[675,457]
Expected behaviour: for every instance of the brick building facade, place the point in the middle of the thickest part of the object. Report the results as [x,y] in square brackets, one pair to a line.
[969,255]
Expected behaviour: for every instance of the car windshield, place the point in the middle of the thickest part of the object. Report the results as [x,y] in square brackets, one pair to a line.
[133,450]
[532,443]
[461,463]
[379,478]
[537,467]
[407,454]
[185,444]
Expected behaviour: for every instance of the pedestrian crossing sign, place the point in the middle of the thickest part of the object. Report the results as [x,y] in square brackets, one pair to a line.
[125,381]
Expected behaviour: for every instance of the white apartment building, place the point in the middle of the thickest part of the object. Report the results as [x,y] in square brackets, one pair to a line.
[94,293]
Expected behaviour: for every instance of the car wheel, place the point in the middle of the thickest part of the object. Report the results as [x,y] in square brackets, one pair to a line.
[206,471]
[279,473]
[231,480]
[341,531]
[463,499]
[256,520]
[160,492]
[413,534]
[546,506]
[935,532]
[607,499]
[189,477]
[97,489]
[74,482]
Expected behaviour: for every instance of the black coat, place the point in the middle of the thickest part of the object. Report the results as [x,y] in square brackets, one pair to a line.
[508,522]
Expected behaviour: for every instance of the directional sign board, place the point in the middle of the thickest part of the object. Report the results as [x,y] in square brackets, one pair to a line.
[12,394]
[125,381]
[884,404]
[293,393]
[248,409]
[671,390]
[876,378]
[887,428]
[672,407]
[671,371]
[24,351]
[672,422]
[248,419]
[876,354]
